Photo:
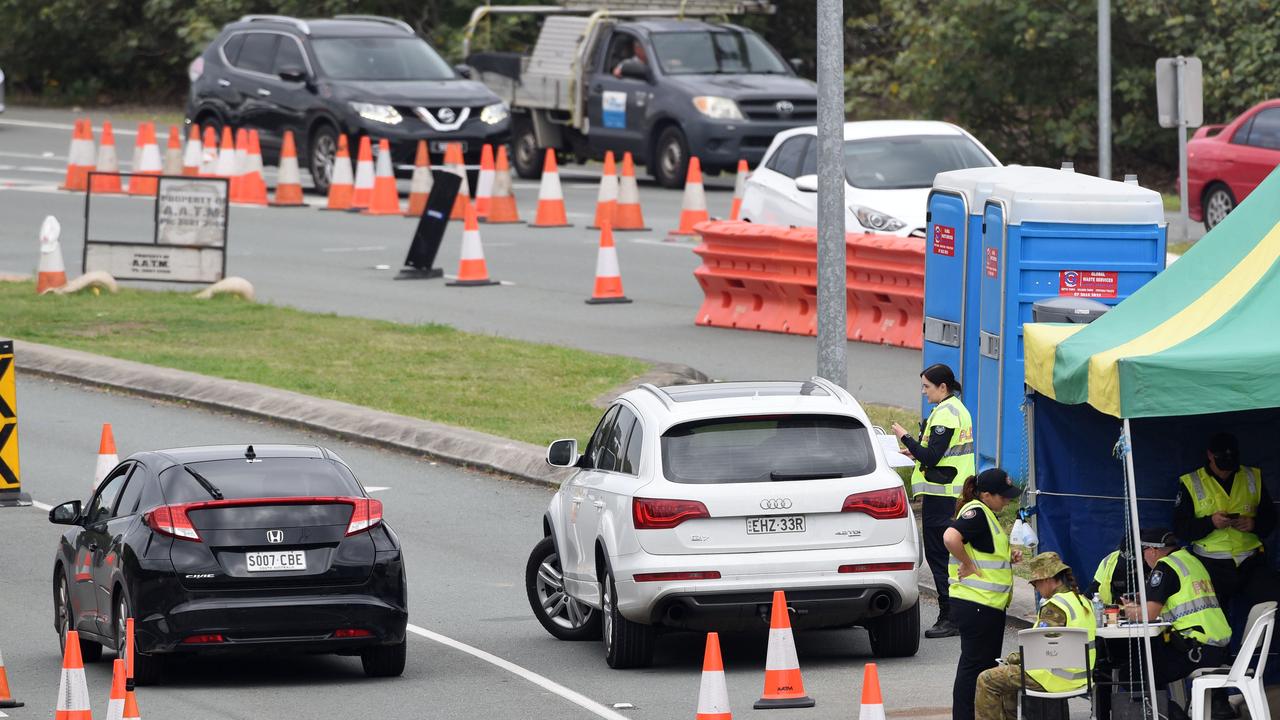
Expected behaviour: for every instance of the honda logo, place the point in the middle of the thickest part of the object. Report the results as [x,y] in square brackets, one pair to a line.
[784,107]
[775,504]
[275,537]
[446,115]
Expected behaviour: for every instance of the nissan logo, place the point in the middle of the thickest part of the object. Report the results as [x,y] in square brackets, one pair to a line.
[446,115]
[275,537]
[784,107]
[775,504]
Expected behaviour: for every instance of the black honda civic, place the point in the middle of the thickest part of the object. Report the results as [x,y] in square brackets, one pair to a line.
[231,548]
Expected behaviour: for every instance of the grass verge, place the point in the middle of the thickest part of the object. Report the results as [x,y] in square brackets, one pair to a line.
[1180,248]
[1172,201]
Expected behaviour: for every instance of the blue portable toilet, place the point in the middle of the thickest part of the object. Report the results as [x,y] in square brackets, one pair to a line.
[1047,233]
[952,266]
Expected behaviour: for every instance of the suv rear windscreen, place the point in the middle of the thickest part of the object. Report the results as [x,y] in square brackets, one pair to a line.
[767,448]
[262,478]
[380,58]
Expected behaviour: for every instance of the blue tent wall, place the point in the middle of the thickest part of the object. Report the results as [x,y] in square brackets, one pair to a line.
[1073,446]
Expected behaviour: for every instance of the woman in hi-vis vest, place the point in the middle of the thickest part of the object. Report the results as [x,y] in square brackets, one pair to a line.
[981,578]
[944,460]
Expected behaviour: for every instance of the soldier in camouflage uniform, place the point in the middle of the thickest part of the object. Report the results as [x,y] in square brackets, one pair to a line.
[997,693]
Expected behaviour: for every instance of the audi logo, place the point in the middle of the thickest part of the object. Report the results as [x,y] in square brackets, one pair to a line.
[446,115]
[784,107]
[275,537]
[775,504]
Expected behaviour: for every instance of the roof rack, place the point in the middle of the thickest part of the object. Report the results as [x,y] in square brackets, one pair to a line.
[300,24]
[667,402]
[379,19]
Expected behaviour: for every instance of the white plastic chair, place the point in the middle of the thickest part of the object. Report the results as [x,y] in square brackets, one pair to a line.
[1240,676]
[1054,648]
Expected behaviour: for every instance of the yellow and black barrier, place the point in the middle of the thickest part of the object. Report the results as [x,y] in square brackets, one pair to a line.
[11,494]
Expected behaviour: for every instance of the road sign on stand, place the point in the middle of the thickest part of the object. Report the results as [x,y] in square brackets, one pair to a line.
[1180,104]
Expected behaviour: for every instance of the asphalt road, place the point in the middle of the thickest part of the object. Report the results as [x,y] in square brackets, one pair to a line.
[466,536]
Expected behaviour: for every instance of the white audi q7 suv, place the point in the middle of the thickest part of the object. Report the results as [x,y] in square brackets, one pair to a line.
[691,504]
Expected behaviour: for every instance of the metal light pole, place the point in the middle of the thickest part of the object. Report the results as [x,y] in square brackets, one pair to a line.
[832,332]
[1104,89]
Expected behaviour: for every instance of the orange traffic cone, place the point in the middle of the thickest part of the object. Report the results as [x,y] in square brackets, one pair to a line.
[130,706]
[454,163]
[149,162]
[484,182]
[130,699]
[73,689]
[107,457]
[81,156]
[173,152]
[872,705]
[713,694]
[241,163]
[472,270]
[628,215]
[135,162]
[502,205]
[550,197]
[193,154]
[608,276]
[340,182]
[288,178]
[115,704]
[253,187]
[693,209]
[739,185]
[783,686]
[51,272]
[386,198]
[421,183]
[362,194]
[226,166]
[209,153]
[6,697]
[108,162]
[607,196]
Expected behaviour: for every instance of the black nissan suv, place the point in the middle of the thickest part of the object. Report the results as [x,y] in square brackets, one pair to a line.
[353,74]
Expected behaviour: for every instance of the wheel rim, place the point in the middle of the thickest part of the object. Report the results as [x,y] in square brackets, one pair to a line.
[122,612]
[527,150]
[606,613]
[322,157]
[64,615]
[672,159]
[1219,206]
[557,605]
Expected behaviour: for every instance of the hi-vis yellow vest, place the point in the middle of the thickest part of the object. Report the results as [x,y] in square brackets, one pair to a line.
[949,413]
[1079,615]
[995,587]
[1194,609]
[1107,569]
[1209,497]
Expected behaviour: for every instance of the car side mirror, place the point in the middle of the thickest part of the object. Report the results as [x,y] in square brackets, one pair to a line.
[807,183]
[292,73]
[797,64]
[68,513]
[463,70]
[634,69]
[563,453]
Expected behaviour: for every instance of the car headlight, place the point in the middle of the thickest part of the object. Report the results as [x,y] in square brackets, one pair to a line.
[721,108]
[377,113]
[494,114]
[876,220]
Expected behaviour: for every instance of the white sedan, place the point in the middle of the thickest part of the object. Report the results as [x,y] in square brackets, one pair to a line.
[692,504]
[888,168]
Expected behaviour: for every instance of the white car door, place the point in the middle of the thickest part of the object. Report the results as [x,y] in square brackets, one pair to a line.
[578,559]
[781,203]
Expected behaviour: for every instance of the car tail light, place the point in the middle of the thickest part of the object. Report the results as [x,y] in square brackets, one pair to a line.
[351,633]
[670,576]
[877,567]
[880,504]
[203,639]
[367,513]
[662,514]
[195,69]
[172,520]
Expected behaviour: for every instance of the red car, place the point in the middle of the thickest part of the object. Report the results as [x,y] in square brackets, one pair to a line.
[1226,162]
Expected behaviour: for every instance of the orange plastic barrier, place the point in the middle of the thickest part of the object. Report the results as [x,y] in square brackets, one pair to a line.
[760,277]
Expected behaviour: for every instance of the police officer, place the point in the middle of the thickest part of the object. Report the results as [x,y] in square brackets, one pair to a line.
[1111,580]
[1180,589]
[981,580]
[1061,605]
[1223,509]
[944,460]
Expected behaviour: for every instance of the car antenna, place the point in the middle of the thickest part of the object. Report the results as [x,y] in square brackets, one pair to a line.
[249,454]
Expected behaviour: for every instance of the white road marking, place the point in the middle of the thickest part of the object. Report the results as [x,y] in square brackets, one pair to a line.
[362,248]
[576,698]
[33,156]
[62,126]
[375,488]
[679,244]
[40,169]
[41,506]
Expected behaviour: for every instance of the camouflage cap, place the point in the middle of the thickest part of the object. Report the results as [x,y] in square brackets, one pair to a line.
[1045,566]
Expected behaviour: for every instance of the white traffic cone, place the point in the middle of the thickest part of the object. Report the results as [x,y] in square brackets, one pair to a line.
[51,272]
[107,458]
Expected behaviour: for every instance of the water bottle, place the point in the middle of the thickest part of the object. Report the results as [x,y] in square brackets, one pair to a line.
[1099,610]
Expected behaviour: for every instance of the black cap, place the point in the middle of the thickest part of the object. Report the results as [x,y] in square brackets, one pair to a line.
[1158,537]
[997,482]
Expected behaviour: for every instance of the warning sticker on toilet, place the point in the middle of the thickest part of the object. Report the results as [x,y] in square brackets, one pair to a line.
[1088,283]
[993,262]
[944,240]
